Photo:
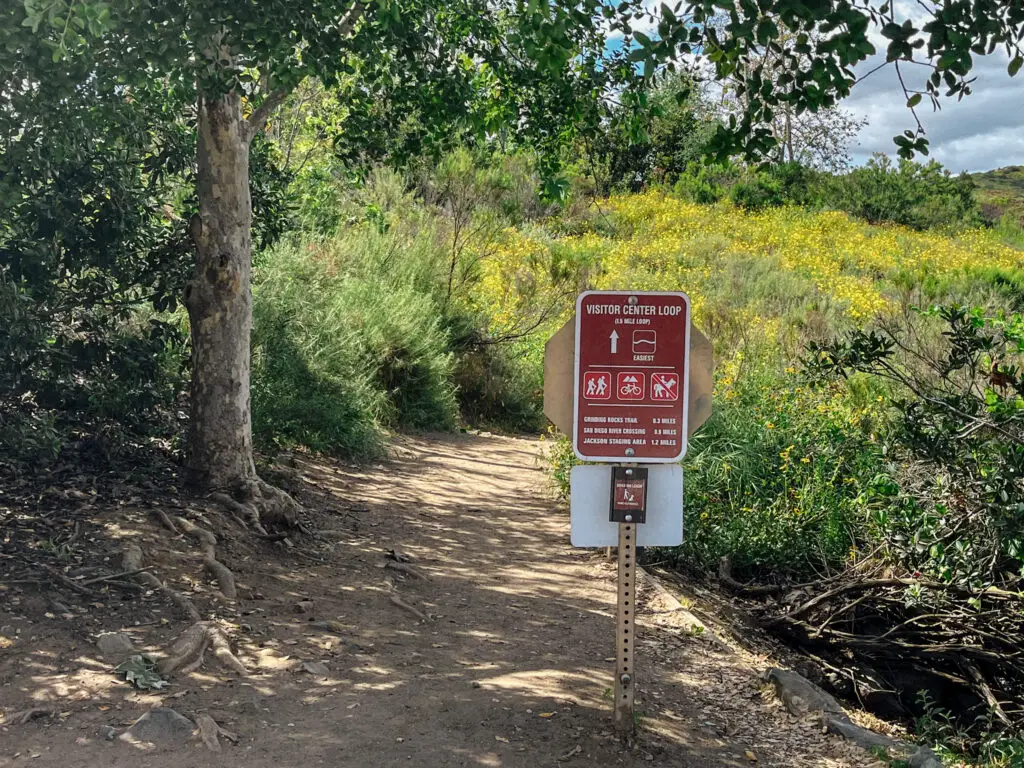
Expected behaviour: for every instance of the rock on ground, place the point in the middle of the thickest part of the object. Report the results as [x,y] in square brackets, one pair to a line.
[162,726]
[115,644]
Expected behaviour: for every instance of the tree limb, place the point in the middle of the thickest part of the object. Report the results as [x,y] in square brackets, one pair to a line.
[258,117]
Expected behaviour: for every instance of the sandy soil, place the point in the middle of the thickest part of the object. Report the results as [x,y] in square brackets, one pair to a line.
[511,667]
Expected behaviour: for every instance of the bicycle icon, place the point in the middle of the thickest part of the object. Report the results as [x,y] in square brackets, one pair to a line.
[630,385]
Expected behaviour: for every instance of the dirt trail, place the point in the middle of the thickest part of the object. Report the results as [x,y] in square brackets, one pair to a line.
[511,668]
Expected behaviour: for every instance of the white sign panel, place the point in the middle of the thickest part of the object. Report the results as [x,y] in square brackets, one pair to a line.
[589,504]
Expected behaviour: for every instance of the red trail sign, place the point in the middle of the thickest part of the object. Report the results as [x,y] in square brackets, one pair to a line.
[632,376]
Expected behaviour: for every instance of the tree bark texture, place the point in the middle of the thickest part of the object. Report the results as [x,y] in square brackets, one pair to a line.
[219,301]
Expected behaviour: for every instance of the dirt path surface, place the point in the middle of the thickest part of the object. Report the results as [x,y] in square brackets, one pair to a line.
[506,664]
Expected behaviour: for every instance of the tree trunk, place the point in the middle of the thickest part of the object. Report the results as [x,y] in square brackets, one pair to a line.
[219,302]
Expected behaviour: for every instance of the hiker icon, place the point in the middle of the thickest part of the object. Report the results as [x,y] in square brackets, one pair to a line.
[597,385]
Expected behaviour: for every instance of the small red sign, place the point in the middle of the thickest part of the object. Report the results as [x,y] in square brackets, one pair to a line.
[664,387]
[629,494]
[597,385]
[630,385]
[631,375]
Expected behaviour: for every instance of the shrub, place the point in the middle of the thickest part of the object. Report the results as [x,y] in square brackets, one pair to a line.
[756,191]
[953,509]
[705,184]
[916,195]
[773,479]
[501,386]
[339,357]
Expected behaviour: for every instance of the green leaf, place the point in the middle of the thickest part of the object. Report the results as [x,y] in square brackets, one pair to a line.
[766,30]
[140,671]
[1015,66]
[913,101]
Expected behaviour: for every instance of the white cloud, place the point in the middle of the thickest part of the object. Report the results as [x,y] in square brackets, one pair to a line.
[984,130]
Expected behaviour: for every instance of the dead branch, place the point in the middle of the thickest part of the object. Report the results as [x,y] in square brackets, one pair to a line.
[869,584]
[412,570]
[726,577]
[983,689]
[75,586]
[115,576]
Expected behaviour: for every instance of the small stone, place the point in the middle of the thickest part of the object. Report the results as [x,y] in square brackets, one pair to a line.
[248,708]
[316,668]
[476,683]
[304,606]
[750,756]
[115,644]
[108,732]
[161,725]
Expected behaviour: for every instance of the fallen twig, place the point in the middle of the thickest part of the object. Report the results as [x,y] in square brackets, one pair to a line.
[413,610]
[66,581]
[115,576]
[412,570]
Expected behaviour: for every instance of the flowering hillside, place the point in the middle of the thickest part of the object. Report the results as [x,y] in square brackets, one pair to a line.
[780,478]
[831,261]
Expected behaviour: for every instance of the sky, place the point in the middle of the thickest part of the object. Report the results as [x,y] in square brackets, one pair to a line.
[983,131]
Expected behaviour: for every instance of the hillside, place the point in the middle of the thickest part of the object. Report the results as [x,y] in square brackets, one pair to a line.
[1000,192]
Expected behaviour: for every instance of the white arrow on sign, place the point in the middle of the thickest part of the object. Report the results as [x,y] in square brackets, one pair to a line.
[615,341]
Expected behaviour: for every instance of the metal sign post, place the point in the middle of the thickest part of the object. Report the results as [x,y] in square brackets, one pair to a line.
[625,682]
[630,386]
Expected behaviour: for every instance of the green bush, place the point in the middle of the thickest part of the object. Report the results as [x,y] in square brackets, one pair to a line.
[798,184]
[501,385]
[773,479]
[339,356]
[916,195]
[757,190]
[705,184]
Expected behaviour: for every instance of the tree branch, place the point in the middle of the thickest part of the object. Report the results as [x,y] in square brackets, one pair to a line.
[258,118]
[348,21]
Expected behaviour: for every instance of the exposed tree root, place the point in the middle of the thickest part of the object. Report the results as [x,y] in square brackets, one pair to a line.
[208,545]
[209,731]
[132,561]
[27,715]
[246,513]
[411,609]
[258,503]
[167,522]
[279,508]
[187,651]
